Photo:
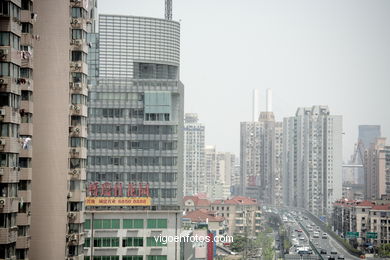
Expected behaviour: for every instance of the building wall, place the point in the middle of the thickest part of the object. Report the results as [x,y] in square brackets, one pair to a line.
[117,228]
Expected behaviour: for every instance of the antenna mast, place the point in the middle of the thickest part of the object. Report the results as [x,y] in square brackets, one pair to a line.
[168,9]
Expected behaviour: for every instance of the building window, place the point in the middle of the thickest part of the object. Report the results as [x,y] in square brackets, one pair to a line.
[133,242]
[157,223]
[133,223]
[151,241]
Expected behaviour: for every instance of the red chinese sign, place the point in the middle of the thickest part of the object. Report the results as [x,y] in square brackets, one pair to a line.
[107,189]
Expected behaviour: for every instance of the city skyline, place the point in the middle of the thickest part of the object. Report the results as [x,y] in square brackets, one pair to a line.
[326,62]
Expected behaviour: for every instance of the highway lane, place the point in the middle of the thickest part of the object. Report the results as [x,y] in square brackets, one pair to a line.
[325,242]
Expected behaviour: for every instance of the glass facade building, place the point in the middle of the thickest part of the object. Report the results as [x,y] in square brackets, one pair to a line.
[136,107]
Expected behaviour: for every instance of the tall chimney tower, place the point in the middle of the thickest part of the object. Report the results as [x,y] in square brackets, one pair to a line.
[168,9]
[269,100]
[255,105]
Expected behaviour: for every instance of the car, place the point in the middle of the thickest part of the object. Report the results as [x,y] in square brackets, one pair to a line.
[341,257]
[333,252]
[328,257]
[302,238]
[323,252]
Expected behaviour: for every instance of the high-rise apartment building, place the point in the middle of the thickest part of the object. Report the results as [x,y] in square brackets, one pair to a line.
[194,170]
[60,136]
[17,19]
[277,193]
[377,170]
[135,125]
[261,143]
[312,159]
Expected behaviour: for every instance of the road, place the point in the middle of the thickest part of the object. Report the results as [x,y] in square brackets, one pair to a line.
[302,231]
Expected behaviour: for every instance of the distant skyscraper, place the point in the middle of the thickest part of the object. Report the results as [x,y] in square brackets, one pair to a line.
[312,159]
[135,138]
[210,164]
[368,134]
[194,169]
[255,105]
[377,170]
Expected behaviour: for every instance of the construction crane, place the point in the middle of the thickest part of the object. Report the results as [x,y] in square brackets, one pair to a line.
[168,9]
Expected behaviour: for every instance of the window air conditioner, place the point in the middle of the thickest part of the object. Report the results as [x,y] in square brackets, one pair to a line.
[70,195]
[71,215]
[2,203]
[2,142]
[2,112]
[77,85]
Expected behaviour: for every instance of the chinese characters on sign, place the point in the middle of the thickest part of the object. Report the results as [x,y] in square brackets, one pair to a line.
[117,201]
[107,189]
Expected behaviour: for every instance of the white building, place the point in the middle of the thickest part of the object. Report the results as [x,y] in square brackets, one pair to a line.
[312,159]
[194,170]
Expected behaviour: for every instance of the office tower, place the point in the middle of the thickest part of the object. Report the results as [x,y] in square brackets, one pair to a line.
[376,170]
[210,164]
[194,170]
[260,176]
[312,159]
[59,154]
[235,180]
[223,174]
[368,134]
[16,109]
[136,124]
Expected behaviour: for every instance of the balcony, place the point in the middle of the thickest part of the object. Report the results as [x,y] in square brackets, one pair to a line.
[26,153]
[75,217]
[78,131]
[8,84]
[11,24]
[78,152]
[9,145]
[78,110]
[27,61]
[79,66]
[9,115]
[26,16]
[78,88]
[79,45]
[27,39]
[9,175]
[78,174]
[79,23]
[10,204]
[26,129]
[75,239]
[23,242]
[25,174]
[79,257]
[27,105]
[8,235]
[25,194]
[23,219]
[76,196]
[78,3]
[9,54]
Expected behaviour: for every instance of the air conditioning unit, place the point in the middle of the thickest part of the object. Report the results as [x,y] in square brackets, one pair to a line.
[74,172]
[76,130]
[2,112]
[75,21]
[3,82]
[70,195]
[3,53]
[77,86]
[71,215]
[1,171]
[2,202]
[2,141]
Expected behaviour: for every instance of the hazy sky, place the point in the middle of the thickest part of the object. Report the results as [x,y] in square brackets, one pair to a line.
[329,52]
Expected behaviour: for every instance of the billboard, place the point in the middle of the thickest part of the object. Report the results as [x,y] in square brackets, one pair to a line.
[118,201]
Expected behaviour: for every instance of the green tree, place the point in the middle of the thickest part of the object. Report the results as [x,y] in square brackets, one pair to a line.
[384,250]
[238,243]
